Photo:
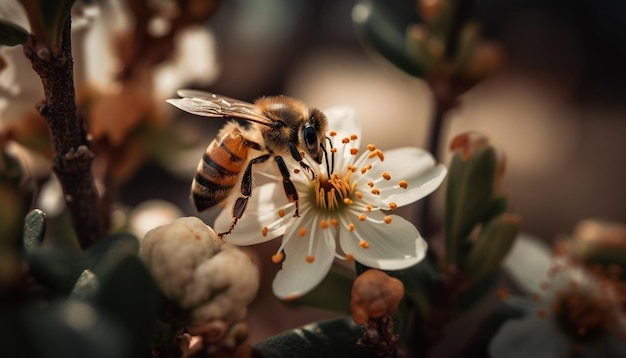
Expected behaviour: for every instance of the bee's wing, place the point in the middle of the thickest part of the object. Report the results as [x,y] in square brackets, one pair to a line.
[211,105]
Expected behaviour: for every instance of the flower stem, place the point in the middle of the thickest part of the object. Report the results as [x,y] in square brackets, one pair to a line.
[72,153]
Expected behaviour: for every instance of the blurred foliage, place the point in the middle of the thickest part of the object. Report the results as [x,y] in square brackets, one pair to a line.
[12,34]
[101,302]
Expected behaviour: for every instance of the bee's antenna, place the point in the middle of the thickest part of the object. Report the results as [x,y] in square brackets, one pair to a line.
[331,166]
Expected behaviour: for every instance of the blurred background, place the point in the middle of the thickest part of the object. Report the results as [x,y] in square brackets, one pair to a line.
[557,107]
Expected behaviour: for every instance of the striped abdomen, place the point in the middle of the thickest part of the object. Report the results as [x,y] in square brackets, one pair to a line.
[219,169]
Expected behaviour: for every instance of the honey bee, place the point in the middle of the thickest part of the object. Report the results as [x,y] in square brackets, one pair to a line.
[280,127]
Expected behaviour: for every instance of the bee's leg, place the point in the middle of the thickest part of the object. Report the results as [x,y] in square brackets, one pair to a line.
[295,154]
[290,189]
[246,190]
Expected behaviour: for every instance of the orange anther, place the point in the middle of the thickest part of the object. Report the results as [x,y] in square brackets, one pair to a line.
[387,219]
[386,176]
[359,195]
[393,206]
[281,213]
[375,191]
[346,140]
[278,257]
[324,224]
[310,258]
[362,217]
[332,133]
[302,232]
[334,222]
[353,137]
[364,244]
[403,184]
[264,231]
[349,257]
[347,201]
[354,151]
[351,227]
[371,147]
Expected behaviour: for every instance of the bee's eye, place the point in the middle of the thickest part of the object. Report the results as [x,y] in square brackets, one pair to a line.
[310,138]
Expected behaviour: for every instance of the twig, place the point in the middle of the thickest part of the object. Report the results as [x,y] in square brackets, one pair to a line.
[72,153]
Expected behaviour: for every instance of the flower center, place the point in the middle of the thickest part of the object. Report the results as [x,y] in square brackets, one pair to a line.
[334,193]
[585,317]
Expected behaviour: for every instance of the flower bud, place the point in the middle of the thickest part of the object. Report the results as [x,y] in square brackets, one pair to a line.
[375,294]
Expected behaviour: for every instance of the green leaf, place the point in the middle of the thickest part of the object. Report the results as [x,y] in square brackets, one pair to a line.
[469,195]
[332,294]
[118,244]
[129,294]
[334,338]
[378,28]
[86,285]
[55,266]
[53,15]
[493,243]
[12,34]
[34,229]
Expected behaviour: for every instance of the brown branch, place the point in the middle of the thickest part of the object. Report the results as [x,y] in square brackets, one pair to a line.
[72,152]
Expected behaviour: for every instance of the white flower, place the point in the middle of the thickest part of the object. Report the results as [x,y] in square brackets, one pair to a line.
[342,209]
[572,311]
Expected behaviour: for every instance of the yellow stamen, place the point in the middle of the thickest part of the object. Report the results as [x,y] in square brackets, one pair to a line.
[364,244]
[302,232]
[310,258]
[403,184]
[362,217]
[386,176]
[264,231]
[278,257]
[387,219]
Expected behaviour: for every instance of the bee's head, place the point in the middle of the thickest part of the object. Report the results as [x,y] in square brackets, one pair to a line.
[314,135]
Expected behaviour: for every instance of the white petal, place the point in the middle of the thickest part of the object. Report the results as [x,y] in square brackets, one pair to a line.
[413,165]
[392,246]
[344,121]
[528,262]
[262,210]
[531,336]
[297,276]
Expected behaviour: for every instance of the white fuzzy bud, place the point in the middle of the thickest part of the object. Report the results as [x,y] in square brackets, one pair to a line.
[210,278]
